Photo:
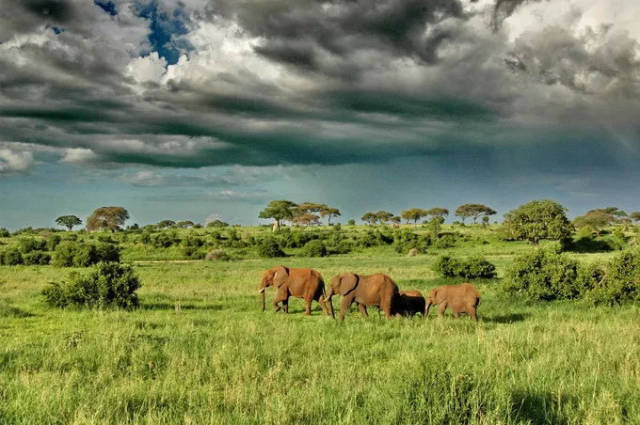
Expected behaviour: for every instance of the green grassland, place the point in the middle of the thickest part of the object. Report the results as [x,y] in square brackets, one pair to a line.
[200,351]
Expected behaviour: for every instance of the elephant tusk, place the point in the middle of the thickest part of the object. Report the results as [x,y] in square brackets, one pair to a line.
[262,290]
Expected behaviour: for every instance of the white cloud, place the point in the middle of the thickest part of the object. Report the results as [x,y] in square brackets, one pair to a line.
[79,156]
[148,68]
[15,161]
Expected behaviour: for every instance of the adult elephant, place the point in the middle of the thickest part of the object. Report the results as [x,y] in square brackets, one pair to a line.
[372,290]
[301,283]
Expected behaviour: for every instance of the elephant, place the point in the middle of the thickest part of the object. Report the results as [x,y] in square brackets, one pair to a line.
[301,283]
[373,290]
[462,298]
[411,303]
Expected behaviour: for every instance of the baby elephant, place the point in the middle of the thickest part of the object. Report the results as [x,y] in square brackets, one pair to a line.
[411,303]
[463,298]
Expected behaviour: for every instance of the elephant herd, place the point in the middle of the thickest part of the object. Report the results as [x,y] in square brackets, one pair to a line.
[365,291]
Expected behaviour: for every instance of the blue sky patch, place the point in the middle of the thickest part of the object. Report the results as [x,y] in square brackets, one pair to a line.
[165,26]
[107,6]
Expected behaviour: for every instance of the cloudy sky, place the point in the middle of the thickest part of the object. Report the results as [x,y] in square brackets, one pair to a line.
[200,108]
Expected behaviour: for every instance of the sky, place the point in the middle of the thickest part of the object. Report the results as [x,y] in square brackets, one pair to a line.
[200,109]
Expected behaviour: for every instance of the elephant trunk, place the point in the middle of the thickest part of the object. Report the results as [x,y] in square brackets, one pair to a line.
[262,295]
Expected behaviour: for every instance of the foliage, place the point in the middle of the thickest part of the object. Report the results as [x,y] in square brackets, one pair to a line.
[435,225]
[68,221]
[544,274]
[217,254]
[36,258]
[635,216]
[278,211]
[438,212]
[109,285]
[72,254]
[4,233]
[164,224]
[314,248]
[405,240]
[270,248]
[595,220]
[27,245]
[414,214]
[537,220]
[351,222]
[472,268]
[107,218]
[217,223]
[473,210]
[620,282]
[11,257]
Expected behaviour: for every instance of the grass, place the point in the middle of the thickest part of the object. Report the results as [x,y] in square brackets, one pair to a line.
[218,360]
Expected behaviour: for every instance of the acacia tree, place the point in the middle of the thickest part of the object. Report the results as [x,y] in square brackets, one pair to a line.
[107,218]
[600,218]
[278,211]
[330,212]
[306,219]
[384,216]
[166,223]
[538,220]
[438,212]
[185,224]
[474,211]
[635,216]
[68,221]
[370,218]
[414,214]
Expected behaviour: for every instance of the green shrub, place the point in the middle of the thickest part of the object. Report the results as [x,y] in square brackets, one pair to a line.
[344,247]
[27,245]
[544,275]
[109,285]
[63,255]
[314,248]
[36,258]
[4,233]
[163,240]
[107,252]
[269,248]
[473,268]
[217,254]
[53,242]
[405,240]
[71,254]
[621,282]
[11,257]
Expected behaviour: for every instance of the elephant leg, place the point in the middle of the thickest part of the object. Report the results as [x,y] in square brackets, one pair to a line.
[471,311]
[285,303]
[456,314]
[282,297]
[344,306]
[363,310]
[441,309]
[307,307]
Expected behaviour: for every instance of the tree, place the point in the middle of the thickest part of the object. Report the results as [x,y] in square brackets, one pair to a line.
[473,210]
[438,212]
[278,211]
[306,219]
[396,219]
[414,214]
[538,220]
[635,216]
[370,218]
[435,224]
[107,218]
[68,221]
[185,224]
[330,212]
[383,216]
[599,218]
[166,223]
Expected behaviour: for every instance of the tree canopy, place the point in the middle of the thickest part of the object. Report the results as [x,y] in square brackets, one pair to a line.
[598,219]
[68,221]
[438,212]
[107,218]
[414,214]
[474,211]
[538,220]
[635,216]
[278,211]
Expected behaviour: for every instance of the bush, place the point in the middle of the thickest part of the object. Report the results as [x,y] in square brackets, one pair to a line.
[314,248]
[163,240]
[11,257]
[109,285]
[4,233]
[473,268]
[621,282]
[36,258]
[53,242]
[27,245]
[544,275]
[269,248]
[71,254]
[405,240]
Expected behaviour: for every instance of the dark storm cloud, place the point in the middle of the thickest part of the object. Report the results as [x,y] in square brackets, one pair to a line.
[296,32]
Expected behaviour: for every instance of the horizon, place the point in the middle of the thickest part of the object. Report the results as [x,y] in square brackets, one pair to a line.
[189,110]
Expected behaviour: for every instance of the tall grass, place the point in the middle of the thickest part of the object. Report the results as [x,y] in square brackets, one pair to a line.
[199,351]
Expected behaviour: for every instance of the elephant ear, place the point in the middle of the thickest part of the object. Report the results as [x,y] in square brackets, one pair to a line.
[348,283]
[280,275]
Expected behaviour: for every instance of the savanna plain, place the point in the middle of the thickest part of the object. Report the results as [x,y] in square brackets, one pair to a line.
[199,350]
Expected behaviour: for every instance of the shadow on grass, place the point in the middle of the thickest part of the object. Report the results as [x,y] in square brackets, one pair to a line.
[7,310]
[172,306]
[506,318]
[541,409]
